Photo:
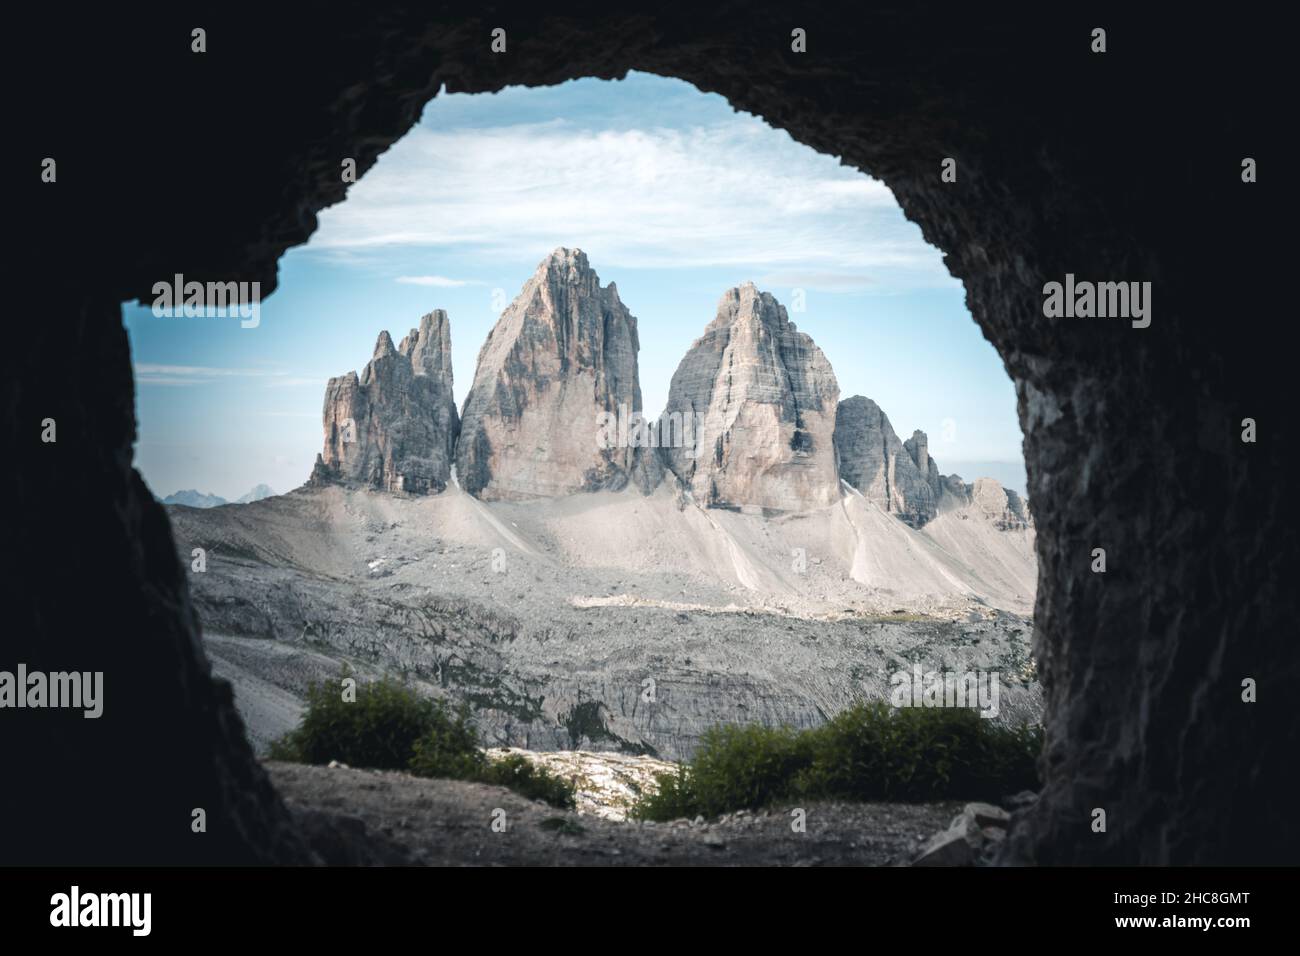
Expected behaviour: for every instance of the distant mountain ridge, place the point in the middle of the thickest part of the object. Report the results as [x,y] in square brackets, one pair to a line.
[194,499]
[257,493]
[190,498]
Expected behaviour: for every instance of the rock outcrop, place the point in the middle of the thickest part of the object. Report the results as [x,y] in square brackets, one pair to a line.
[898,476]
[560,358]
[1001,506]
[395,426]
[903,479]
[760,398]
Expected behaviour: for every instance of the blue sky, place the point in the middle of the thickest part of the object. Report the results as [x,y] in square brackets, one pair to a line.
[670,192]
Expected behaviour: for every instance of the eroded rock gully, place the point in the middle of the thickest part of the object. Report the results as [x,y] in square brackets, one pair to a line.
[1120,166]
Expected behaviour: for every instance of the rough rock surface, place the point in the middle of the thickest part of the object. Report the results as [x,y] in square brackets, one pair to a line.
[550,630]
[894,475]
[1002,506]
[918,449]
[356,816]
[607,785]
[563,354]
[761,398]
[395,426]
[974,837]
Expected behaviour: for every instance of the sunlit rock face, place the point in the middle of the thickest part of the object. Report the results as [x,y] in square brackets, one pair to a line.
[761,400]
[394,427]
[561,358]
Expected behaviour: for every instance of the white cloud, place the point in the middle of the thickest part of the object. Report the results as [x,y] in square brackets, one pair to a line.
[734,193]
[441,282]
[147,373]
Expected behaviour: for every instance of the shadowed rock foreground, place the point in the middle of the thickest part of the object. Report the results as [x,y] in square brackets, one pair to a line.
[379,817]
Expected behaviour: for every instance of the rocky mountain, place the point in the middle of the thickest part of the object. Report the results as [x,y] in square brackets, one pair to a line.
[761,398]
[894,475]
[812,554]
[256,493]
[394,427]
[902,479]
[562,356]
[194,499]
[1004,508]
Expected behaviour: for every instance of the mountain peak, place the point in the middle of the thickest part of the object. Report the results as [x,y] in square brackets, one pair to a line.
[384,345]
[562,354]
[395,427]
[762,398]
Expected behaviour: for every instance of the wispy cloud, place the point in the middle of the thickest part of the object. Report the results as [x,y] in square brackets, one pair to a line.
[733,193]
[827,281]
[187,375]
[441,282]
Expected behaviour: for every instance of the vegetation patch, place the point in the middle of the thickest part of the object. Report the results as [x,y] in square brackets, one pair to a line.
[385,725]
[868,752]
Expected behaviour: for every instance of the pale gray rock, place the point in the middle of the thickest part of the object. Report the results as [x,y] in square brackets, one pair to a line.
[562,356]
[1002,506]
[971,838]
[986,497]
[918,449]
[900,477]
[951,847]
[394,427]
[760,400]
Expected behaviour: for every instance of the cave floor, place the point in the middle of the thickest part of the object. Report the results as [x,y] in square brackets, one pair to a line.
[370,817]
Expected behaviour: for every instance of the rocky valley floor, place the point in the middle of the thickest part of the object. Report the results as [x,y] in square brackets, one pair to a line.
[609,622]
[373,817]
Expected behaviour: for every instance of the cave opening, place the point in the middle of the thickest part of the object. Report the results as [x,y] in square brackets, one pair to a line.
[1142,665]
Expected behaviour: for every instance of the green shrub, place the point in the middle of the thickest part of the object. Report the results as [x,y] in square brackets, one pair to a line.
[449,749]
[871,752]
[868,752]
[746,766]
[529,781]
[673,799]
[377,730]
[391,727]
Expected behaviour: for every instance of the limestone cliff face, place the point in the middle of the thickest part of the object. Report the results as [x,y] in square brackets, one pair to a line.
[562,355]
[898,476]
[1004,508]
[903,479]
[395,426]
[760,398]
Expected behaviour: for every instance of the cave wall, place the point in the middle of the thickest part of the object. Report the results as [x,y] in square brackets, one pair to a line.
[1115,166]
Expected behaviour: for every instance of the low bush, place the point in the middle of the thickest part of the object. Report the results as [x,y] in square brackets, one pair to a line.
[868,752]
[378,729]
[391,727]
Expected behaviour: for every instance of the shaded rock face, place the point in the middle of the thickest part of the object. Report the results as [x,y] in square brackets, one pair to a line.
[893,474]
[918,449]
[562,355]
[395,426]
[761,398]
